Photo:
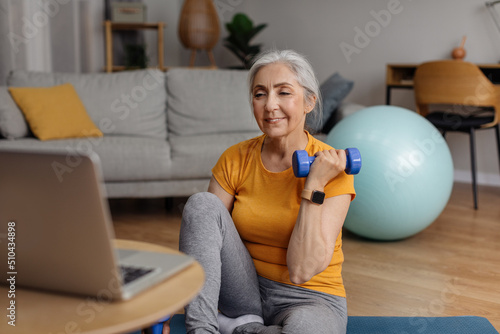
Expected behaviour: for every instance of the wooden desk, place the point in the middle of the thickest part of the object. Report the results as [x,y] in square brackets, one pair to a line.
[50,313]
[400,76]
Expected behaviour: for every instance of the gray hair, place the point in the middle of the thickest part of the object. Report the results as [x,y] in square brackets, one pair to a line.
[300,67]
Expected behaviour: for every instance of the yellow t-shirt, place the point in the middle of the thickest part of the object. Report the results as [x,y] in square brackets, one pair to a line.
[266,206]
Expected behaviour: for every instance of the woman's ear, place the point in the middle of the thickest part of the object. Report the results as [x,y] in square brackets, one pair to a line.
[310,103]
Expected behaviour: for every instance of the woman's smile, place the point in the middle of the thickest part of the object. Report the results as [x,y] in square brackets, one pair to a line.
[274,120]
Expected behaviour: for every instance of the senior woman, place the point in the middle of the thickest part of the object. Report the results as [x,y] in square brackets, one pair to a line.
[271,251]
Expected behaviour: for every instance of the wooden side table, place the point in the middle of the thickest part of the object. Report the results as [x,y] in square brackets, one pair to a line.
[44,312]
[110,26]
[400,76]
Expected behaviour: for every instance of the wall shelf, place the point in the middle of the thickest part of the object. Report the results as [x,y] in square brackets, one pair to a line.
[111,26]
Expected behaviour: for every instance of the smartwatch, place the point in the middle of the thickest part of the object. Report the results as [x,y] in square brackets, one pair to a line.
[315,196]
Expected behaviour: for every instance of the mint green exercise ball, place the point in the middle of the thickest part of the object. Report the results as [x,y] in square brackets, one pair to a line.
[406,176]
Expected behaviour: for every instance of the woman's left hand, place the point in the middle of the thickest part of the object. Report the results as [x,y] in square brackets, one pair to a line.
[326,166]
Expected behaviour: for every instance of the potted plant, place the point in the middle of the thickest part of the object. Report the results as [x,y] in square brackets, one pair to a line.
[241,31]
[135,56]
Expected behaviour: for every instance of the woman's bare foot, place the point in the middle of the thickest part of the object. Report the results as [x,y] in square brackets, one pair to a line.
[166,326]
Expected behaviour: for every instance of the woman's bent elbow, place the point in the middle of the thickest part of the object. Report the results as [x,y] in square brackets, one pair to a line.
[300,277]
[298,280]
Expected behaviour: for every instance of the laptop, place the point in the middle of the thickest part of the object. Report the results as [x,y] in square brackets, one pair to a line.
[56,231]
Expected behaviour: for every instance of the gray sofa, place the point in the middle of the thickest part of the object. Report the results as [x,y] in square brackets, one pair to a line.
[163,132]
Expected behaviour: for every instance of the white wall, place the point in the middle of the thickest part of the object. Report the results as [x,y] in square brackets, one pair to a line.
[419,30]
[45,35]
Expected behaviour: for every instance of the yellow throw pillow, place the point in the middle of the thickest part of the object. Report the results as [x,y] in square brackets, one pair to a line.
[54,112]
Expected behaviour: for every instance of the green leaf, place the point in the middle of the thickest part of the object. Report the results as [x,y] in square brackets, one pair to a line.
[241,42]
[242,22]
[254,49]
[230,27]
[241,31]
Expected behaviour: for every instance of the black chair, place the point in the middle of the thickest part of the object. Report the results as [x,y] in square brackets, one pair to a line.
[473,101]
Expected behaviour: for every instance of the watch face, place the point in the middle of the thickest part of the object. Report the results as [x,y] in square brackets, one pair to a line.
[318,197]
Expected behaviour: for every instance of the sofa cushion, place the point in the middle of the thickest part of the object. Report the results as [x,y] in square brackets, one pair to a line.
[12,122]
[333,90]
[208,102]
[122,158]
[54,112]
[124,103]
[195,156]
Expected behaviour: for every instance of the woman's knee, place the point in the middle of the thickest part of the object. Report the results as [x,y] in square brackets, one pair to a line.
[203,210]
[203,201]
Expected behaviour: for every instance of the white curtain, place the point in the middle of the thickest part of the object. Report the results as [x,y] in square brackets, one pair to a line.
[51,36]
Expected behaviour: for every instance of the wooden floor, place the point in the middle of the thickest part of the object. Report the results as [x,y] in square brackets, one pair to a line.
[452,268]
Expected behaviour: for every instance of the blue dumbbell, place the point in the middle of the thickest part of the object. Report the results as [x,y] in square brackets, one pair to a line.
[301,162]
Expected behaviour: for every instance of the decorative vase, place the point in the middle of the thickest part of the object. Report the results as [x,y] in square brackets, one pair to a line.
[459,53]
[199,27]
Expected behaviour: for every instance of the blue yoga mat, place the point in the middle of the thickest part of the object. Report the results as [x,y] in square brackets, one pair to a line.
[396,325]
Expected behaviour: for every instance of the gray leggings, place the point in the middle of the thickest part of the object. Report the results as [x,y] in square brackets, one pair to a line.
[233,287]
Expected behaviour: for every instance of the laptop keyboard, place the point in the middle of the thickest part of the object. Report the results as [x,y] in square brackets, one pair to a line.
[130,274]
